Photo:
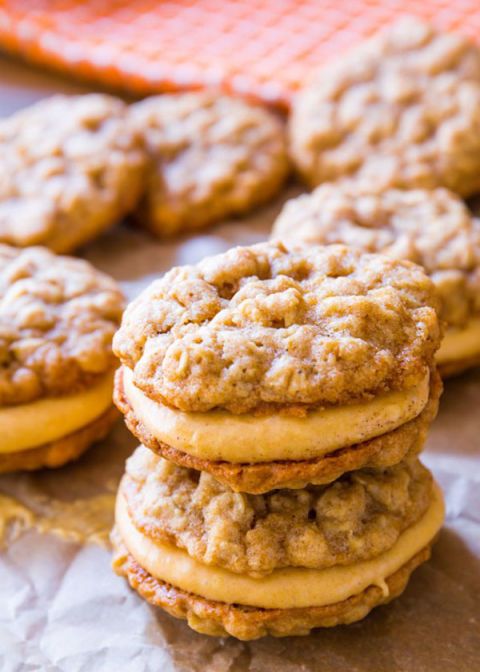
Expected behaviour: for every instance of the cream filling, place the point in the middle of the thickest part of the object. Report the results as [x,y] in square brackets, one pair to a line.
[460,344]
[219,435]
[39,422]
[283,588]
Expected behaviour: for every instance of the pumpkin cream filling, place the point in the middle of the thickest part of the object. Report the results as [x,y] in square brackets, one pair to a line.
[284,588]
[220,435]
[459,344]
[34,424]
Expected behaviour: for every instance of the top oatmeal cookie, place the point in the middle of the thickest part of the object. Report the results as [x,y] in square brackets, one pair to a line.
[57,319]
[431,228]
[262,327]
[211,156]
[70,167]
[400,110]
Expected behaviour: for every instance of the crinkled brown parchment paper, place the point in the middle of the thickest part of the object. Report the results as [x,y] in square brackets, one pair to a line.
[63,610]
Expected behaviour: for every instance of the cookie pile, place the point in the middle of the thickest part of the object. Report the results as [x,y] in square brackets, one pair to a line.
[57,319]
[281,397]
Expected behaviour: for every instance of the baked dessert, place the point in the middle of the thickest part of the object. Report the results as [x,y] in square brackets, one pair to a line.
[212,156]
[57,319]
[400,110]
[269,366]
[280,563]
[70,167]
[432,228]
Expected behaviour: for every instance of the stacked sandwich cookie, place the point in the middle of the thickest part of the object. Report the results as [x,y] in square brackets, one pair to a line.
[281,396]
[57,319]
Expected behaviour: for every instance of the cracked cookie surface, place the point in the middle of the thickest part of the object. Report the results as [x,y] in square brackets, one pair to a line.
[401,110]
[70,167]
[267,328]
[211,156]
[57,319]
[355,518]
[431,228]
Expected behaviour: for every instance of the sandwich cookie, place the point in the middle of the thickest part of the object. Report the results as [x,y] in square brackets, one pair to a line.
[431,228]
[270,366]
[276,564]
[57,319]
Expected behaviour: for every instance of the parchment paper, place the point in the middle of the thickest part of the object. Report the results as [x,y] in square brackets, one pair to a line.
[63,610]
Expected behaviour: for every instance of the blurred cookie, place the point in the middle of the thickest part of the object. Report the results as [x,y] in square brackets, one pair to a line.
[211,157]
[70,167]
[280,563]
[432,228]
[57,319]
[401,110]
[270,367]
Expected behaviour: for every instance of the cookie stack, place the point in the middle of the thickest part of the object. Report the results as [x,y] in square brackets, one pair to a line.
[281,396]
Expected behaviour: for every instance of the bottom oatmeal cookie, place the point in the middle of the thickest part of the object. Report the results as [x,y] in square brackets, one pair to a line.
[281,563]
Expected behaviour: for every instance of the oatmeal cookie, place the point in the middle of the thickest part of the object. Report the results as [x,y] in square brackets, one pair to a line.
[401,110]
[266,328]
[356,518]
[211,156]
[57,319]
[379,452]
[220,619]
[70,167]
[431,228]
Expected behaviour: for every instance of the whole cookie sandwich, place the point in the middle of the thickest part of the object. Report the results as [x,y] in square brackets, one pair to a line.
[400,110]
[212,156]
[269,366]
[57,319]
[432,228]
[70,167]
[277,564]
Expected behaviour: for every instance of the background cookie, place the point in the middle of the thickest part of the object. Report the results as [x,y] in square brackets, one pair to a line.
[432,228]
[401,110]
[211,156]
[70,167]
[57,319]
